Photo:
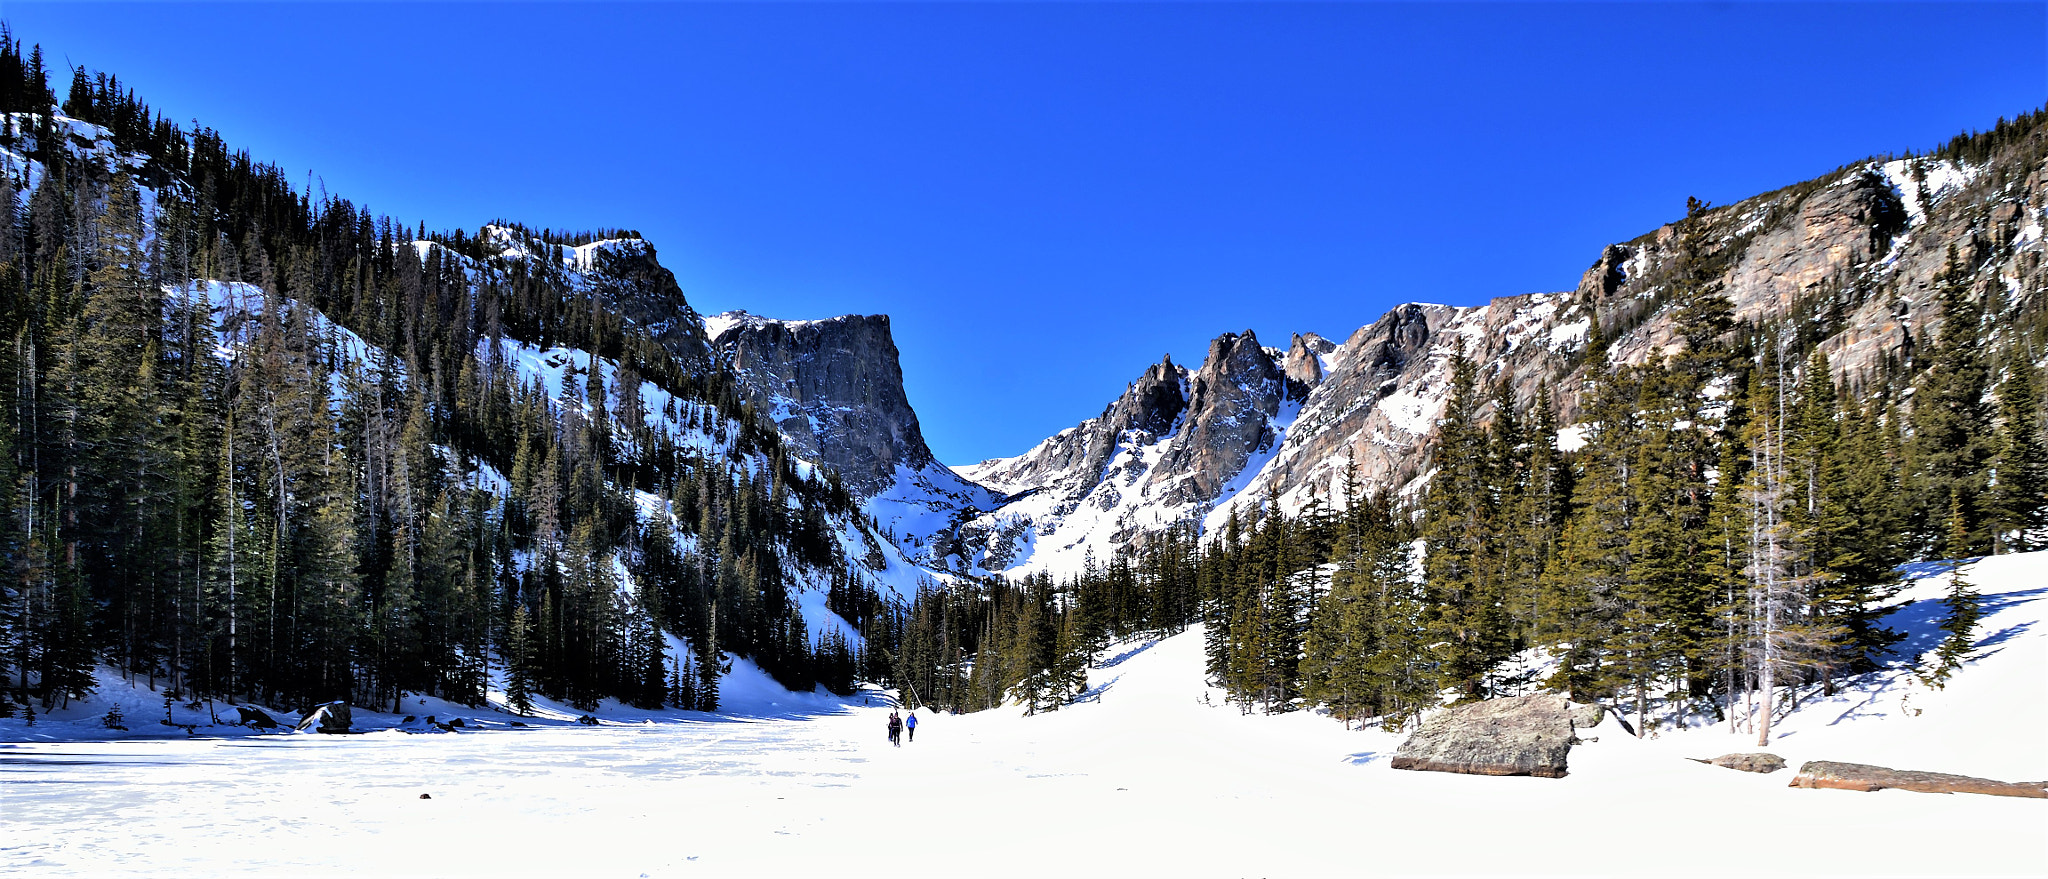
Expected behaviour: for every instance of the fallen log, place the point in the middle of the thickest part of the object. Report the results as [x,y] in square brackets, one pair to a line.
[1863,777]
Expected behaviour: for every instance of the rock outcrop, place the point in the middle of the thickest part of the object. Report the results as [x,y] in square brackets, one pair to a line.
[1162,454]
[331,718]
[834,387]
[1863,777]
[1517,735]
[1758,762]
[254,718]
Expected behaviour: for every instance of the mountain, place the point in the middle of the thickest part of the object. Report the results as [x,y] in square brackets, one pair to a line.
[834,388]
[1853,255]
[406,458]
[353,460]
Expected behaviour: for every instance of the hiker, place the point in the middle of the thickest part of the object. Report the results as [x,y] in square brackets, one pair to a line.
[895,729]
[910,723]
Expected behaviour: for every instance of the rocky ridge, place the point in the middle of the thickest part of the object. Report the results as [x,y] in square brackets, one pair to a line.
[1854,254]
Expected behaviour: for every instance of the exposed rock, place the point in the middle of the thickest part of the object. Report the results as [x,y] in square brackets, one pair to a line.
[1607,274]
[1304,366]
[834,387]
[254,718]
[629,277]
[1863,777]
[1230,404]
[1758,762]
[1836,228]
[1518,735]
[1585,715]
[333,717]
[1072,462]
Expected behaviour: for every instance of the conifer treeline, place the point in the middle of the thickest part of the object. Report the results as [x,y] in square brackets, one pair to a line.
[286,517]
[1732,523]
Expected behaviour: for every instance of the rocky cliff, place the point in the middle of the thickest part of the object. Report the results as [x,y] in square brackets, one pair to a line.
[834,388]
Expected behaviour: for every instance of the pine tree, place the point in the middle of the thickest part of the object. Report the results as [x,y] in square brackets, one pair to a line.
[2017,504]
[1467,616]
[1951,424]
[1961,620]
[519,682]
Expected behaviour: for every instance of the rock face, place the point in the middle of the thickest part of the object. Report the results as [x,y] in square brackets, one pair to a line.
[1519,735]
[331,718]
[1858,776]
[834,389]
[833,386]
[625,274]
[1159,456]
[629,277]
[1073,460]
[1759,762]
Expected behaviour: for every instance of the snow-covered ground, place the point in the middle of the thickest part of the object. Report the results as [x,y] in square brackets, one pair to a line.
[1150,776]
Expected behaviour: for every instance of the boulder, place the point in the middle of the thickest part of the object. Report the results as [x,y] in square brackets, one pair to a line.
[1519,735]
[1586,715]
[254,718]
[331,718]
[1863,777]
[1758,762]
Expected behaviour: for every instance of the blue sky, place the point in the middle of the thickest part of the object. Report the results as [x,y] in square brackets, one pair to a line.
[1047,197]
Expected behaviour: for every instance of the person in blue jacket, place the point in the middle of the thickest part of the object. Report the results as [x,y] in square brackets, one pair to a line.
[910,723]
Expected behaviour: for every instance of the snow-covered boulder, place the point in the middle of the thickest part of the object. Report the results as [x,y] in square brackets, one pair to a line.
[255,718]
[1518,735]
[333,717]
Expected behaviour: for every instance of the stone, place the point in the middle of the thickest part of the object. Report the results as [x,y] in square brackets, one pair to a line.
[1758,762]
[331,718]
[1585,715]
[1517,735]
[1864,777]
[426,796]
[254,718]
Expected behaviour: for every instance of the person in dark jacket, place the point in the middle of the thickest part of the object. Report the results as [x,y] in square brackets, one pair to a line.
[895,729]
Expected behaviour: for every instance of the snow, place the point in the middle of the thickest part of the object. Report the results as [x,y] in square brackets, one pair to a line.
[1571,439]
[1941,178]
[1564,336]
[716,325]
[1133,780]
